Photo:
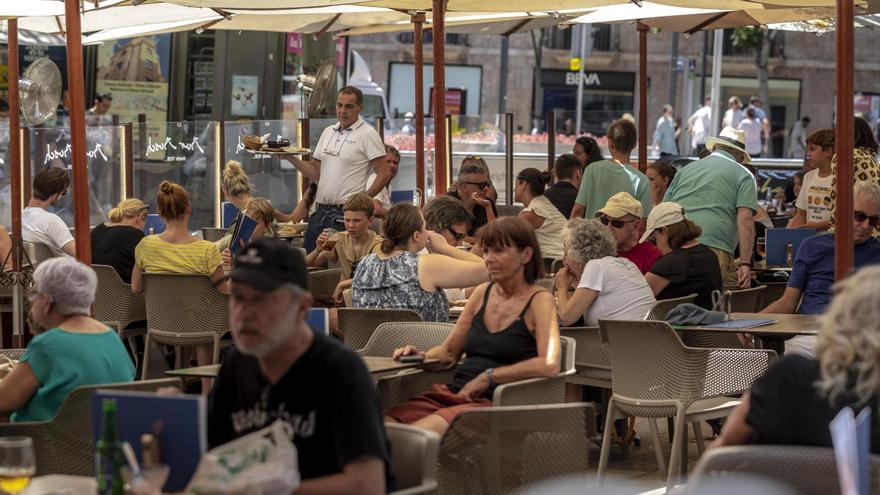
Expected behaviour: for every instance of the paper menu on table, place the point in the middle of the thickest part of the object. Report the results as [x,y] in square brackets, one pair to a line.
[851,437]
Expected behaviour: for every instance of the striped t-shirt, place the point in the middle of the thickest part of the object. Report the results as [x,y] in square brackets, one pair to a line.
[155,255]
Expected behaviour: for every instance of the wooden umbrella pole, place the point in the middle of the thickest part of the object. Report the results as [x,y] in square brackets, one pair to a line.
[438,23]
[14,142]
[843,139]
[78,131]
[643,97]
[418,21]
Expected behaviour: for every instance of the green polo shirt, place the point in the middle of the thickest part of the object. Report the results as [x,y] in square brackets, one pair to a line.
[606,178]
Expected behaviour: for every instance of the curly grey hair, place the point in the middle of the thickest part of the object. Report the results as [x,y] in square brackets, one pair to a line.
[848,344]
[869,190]
[71,284]
[587,240]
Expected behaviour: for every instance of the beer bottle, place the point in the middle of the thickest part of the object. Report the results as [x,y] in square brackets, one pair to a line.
[108,454]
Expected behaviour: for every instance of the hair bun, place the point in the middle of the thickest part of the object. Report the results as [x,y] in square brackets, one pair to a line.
[232,169]
[546,178]
[166,187]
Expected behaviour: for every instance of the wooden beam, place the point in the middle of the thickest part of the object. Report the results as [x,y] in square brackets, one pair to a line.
[707,22]
[418,21]
[328,25]
[14,138]
[843,142]
[438,24]
[78,131]
[643,97]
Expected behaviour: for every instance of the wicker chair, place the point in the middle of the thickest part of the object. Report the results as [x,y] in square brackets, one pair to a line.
[656,376]
[737,301]
[356,325]
[808,470]
[116,304]
[213,234]
[661,308]
[183,310]
[413,458]
[66,445]
[322,283]
[496,450]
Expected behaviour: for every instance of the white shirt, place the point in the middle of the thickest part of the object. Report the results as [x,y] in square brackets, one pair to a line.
[383,196]
[38,225]
[752,128]
[702,121]
[797,147]
[815,197]
[732,118]
[549,234]
[624,293]
[345,156]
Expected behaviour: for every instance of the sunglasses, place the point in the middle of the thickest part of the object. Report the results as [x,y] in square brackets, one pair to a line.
[617,224]
[860,216]
[458,236]
[482,185]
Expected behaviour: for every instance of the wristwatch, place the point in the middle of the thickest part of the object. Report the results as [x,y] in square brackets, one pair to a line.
[489,372]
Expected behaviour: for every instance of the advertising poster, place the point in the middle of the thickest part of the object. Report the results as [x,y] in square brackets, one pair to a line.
[135,72]
[245,94]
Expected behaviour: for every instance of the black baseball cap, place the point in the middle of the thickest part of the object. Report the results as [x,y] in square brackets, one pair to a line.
[266,264]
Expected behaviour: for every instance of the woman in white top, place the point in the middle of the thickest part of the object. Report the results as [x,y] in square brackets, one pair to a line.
[539,212]
[752,126]
[605,286]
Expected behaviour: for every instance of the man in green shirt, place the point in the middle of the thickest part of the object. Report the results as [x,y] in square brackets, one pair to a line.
[605,178]
[720,195]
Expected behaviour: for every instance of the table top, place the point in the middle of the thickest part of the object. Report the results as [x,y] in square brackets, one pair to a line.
[761,266]
[786,325]
[376,365]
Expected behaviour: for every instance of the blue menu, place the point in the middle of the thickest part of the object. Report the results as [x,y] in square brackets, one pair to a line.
[243,232]
[229,213]
[155,223]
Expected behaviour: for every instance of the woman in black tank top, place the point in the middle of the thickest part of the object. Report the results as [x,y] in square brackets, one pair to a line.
[507,331]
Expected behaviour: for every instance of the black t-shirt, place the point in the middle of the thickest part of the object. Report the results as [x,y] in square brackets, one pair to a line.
[327,396]
[691,270]
[786,407]
[114,246]
[562,195]
[479,213]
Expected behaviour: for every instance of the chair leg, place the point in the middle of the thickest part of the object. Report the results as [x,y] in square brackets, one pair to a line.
[658,451]
[132,344]
[675,455]
[216,356]
[178,357]
[606,442]
[145,369]
[698,434]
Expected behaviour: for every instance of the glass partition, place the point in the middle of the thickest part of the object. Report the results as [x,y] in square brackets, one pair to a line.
[51,147]
[273,178]
[181,152]
[401,134]
[5,176]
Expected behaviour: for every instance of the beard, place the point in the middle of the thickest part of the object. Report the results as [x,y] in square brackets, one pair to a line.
[272,340]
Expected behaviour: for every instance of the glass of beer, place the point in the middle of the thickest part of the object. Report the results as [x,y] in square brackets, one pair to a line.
[17,464]
[332,239]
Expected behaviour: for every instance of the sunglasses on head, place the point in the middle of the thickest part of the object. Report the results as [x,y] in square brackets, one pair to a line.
[482,185]
[617,224]
[860,216]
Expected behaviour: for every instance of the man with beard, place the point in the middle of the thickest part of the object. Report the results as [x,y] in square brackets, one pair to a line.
[282,369]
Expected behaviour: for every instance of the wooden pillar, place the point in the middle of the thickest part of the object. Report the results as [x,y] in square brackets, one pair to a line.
[418,21]
[643,97]
[551,140]
[14,140]
[78,131]
[438,15]
[843,142]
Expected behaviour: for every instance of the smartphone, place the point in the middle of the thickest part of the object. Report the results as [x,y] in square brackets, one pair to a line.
[412,358]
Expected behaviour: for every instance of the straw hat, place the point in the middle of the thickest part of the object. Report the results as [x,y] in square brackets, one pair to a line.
[731,137]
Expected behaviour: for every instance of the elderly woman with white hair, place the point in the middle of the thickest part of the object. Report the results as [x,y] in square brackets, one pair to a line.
[604,285]
[73,349]
[795,400]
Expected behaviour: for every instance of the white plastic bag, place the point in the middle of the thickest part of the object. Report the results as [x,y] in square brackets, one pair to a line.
[261,463]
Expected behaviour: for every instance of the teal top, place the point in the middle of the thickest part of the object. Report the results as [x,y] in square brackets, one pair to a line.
[606,178]
[63,361]
[711,190]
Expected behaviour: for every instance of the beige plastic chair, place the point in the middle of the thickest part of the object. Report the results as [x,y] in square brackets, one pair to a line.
[65,444]
[13,354]
[356,325]
[37,252]
[496,450]
[183,311]
[592,360]
[213,234]
[656,376]
[346,298]
[807,470]
[322,283]
[116,304]
[661,308]
[736,301]
[413,458]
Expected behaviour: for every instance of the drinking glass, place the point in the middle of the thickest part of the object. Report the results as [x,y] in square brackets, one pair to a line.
[332,239]
[17,464]
[762,247]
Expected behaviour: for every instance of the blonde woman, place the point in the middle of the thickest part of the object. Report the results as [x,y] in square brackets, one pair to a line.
[239,191]
[797,398]
[113,242]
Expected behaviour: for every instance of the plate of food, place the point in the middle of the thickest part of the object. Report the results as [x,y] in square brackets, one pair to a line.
[291,229]
[262,145]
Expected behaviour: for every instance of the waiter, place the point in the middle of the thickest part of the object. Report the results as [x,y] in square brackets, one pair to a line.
[344,157]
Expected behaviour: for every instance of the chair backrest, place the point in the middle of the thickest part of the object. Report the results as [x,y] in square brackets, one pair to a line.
[38,252]
[114,300]
[65,445]
[391,335]
[213,234]
[808,470]
[184,303]
[322,283]
[661,308]
[357,325]
[590,350]
[346,297]
[413,457]
[496,450]
[567,353]
[746,300]
[13,354]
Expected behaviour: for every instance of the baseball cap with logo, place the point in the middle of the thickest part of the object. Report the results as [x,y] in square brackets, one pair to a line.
[620,205]
[664,214]
[266,264]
